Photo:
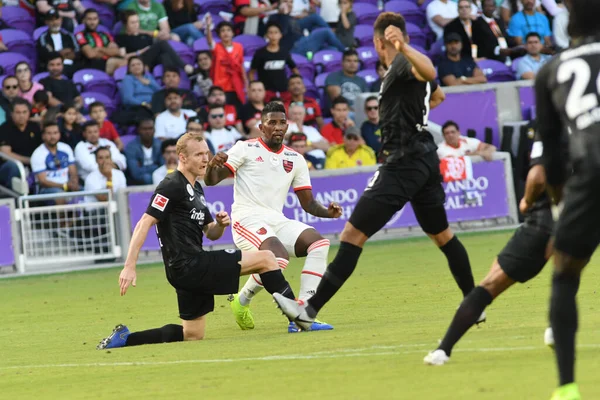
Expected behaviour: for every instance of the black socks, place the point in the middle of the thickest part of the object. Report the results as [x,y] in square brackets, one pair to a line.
[336,274]
[274,282]
[166,334]
[466,315]
[458,261]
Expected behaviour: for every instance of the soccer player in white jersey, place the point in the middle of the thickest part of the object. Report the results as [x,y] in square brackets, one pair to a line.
[264,169]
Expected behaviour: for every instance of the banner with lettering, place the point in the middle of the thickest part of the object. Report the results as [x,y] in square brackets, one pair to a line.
[482,196]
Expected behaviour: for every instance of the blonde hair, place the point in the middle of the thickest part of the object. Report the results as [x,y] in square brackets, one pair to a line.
[184,139]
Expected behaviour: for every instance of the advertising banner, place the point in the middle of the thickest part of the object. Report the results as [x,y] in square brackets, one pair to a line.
[7,255]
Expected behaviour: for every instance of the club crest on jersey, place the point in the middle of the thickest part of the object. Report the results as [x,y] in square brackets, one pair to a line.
[274,160]
[288,166]
[189,189]
[160,202]
[262,231]
[203,201]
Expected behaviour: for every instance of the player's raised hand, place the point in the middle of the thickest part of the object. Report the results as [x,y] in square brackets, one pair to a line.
[218,160]
[223,219]
[334,210]
[127,277]
[396,36]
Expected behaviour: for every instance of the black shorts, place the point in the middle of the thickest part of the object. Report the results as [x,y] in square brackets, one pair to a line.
[209,273]
[524,256]
[410,179]
[578,228]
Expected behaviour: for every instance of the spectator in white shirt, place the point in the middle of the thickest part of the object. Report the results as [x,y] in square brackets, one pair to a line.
[168,149]
[317,146]
[170,124]
[222,137]
[455,145]
[104,177]
[53,164]
[439,14]
[84,151]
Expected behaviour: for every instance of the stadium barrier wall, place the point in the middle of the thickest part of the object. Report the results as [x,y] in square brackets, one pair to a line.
[9,245]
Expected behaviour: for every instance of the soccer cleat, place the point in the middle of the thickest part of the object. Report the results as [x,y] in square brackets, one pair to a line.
[549,337]
[316,326]
[569,391]
[436,357]
[118,338]
[243,315]
[294,311]
[482,318]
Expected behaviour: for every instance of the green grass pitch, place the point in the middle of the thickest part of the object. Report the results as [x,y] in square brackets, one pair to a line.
[390,314]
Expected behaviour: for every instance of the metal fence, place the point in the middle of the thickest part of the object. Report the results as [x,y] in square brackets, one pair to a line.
[59,230]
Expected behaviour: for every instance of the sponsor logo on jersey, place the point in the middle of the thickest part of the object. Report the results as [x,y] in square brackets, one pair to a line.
[259,159]
[262,231]
[288,166]
[160,202]
[285,153]
[196,215]
[274,65]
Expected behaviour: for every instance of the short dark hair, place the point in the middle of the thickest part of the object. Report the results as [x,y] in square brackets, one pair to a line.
[89,123]
[295,76]
[272,107]
[215,106]
[9,77]
[170,91]
[88,12]
[207,52]
[96,104]
[583,18]
[167,143]
[142,120]
[19,101]
[194,120]
[533,34]
[215,89]
[449,124]
[53,56]
[386,19]
[349,53]
[256,81]
[48,124]
[273,24]
[223,24]
[171,69]
[126,14]
[340,100]
[371,98]
[41,96]
[101,148]
[276,100]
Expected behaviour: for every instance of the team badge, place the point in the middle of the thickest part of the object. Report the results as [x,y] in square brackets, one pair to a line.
[160,202]
[190,190]
[230,251]
[288,166]
[203,201]
[262,231]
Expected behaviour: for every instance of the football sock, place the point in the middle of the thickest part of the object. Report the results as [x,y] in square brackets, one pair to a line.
[314,268]
[336,274]
[458,261]
[166,334]
[274,282]
[254,284]
[466,315]
[563,318]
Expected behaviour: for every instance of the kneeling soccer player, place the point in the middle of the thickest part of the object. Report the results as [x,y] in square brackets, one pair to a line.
[179,211]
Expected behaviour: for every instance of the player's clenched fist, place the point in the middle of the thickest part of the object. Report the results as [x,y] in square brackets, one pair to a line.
[218,160]
[223,219]
[334,210]
[396,36]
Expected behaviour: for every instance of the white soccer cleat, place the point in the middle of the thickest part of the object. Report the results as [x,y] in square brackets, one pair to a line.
[549,337]
[482,318]
[294,311]
[436,357]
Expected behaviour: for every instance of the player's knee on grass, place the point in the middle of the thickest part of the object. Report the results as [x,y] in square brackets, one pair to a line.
[496,281]
[352,235]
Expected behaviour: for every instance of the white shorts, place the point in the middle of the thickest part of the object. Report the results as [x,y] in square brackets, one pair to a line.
[250,230]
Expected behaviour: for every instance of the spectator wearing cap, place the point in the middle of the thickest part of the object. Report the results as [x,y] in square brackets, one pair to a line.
[351,153]
[171,80]
[104,176]
[530,64]
[269,62]
[455,70]
[297,89]
[171,123]
[456,145]
[63,90]
[168,149]
[222,137]
[529,20]
[154,21]
[317,144]
[143,154]
[228,64]
[345,82]
[98,49]
[67,10]
[56,40]
[195,126]
[299,142]
[333,132]
[369,129]
[490,36]
[84,151]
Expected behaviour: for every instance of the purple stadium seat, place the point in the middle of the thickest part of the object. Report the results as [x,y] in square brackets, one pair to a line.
[100,28]
[18,18]
[40,76]
[374,2]
[9,60]
[93,80]
[126,139]
[369,75]
[416,34]
[366,13]
[38,32]
[251,43]
[20,42]
[213,6]
[527,99]
[184,81]
[320,80]
[364,34]
[184,51]
[496,71]
[411,12]
[116,29]
[202,45]
[436,51]
[120,73]
[105,12]
[368,56]
[306,68]
[515,65]
[91,97]
[327,61]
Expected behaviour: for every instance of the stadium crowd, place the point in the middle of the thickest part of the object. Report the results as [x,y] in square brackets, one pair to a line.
[132,76]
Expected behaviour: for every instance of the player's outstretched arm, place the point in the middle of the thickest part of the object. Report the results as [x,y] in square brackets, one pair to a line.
[215,229]
[313,207]
[216,170]
[128,275]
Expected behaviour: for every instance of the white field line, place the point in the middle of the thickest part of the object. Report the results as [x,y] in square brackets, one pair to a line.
[374,351]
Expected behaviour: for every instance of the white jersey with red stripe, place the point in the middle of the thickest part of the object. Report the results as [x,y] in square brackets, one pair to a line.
[263,177]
